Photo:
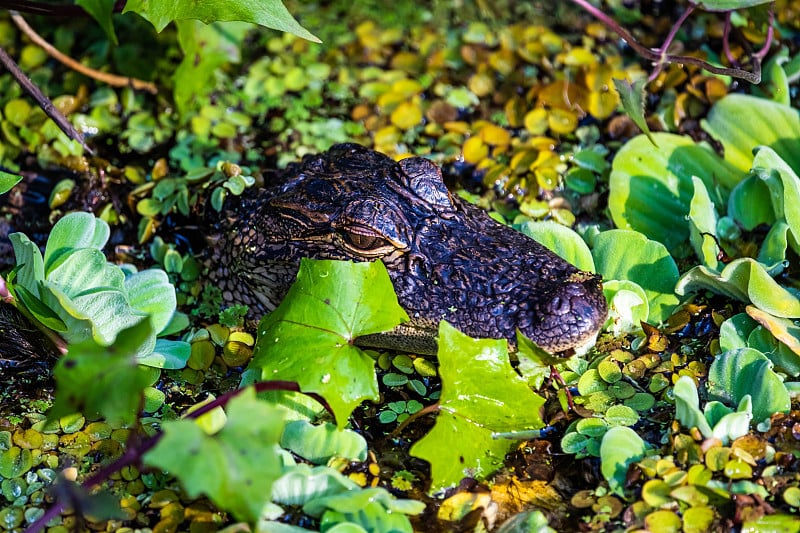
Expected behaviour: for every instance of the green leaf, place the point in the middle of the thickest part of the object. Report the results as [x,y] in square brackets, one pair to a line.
[703,226]
[729,5]
[302,484]
[101,380]
[749,203]
[84,270]
[746,280]
[151,292]
[643,178]
[479,384]
[632,99]
[101,11]
[628,255]
[456,448]
[308,338]
[627,306]
[481,394]
[738,373]
[30,266]
[205,49]
[363,510]
[7,181]
[687,406]
[784,187]
[319,443]
[269,13]
[561,240]
[74,231]
[236,467]
[778,339]
[167,354]
[768,123]
[620,448]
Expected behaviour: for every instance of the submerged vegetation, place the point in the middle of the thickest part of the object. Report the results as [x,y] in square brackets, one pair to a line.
[164,410]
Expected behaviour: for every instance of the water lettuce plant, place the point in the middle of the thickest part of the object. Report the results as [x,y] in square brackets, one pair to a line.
[74,291]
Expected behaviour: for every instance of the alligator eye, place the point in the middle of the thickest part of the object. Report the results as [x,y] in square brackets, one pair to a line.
[366,242]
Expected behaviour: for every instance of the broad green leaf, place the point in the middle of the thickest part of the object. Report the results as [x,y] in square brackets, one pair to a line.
[749,203]
[302,483]
[787,354]
[39,310]
[627,306]
[620,448]
[74,231]
[774,80]
[363,510]
[729,5]
[167,354]
[7,181]
[703,226]
[101,11]
[783,184]
[481,394]
[734,332]
[269,13]
[205,49]
[629,255]
[109,312]
[236,467]
[456,448]
[744,371]
[773,249]
[650,190]
[308,338]
[768,123]
[30,266]
[561,240]
[734,425]
[150,291]
[746,280]
[78,325]
[102,380]
[479,385]
[631,96]
[687,406]
[319,443]
[84,270]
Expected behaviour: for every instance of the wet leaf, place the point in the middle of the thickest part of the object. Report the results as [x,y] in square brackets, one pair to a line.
[269,13]
[632,98]
[319,443]
[101,380]
[744,371]
[236,467]
[309,337]
[620,448]
[642,177]
[481,394]
[621,254]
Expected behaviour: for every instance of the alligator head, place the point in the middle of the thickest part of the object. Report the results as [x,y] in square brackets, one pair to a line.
[447,259]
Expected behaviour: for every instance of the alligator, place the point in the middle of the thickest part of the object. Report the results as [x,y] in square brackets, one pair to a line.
[447,259]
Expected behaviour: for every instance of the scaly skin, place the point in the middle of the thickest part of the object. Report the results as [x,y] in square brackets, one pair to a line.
[447,259]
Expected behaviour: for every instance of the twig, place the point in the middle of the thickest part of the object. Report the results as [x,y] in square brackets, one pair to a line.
[668,41]
[658,56]
[110,79]
[44,102]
